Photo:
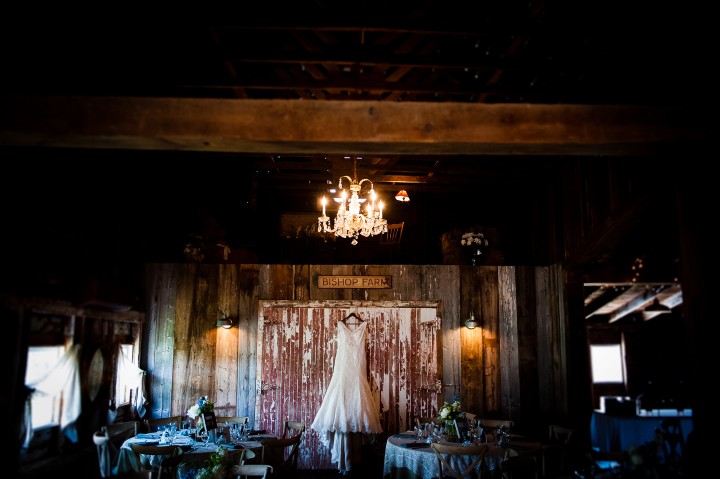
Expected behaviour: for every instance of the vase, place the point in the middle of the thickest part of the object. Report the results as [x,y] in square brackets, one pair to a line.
[450,428]
[476,257]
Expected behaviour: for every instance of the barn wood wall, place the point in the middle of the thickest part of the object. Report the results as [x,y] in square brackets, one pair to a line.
[489,368]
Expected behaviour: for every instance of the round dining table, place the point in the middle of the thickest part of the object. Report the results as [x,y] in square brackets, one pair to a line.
[193,452]
[408,458]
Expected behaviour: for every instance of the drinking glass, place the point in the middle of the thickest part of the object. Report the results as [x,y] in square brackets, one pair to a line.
[235,432]
[204,436]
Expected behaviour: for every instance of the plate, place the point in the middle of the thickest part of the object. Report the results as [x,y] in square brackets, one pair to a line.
[148,442]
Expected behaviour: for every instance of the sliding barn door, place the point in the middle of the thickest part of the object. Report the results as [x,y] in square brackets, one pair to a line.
[296,354]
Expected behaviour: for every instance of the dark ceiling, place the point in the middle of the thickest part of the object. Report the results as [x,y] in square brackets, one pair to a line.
[145,205]
[590,52]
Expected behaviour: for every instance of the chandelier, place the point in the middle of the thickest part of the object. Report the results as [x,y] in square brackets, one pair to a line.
[349,221]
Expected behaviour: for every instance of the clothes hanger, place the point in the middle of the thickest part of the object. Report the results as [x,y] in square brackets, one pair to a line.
[357,319]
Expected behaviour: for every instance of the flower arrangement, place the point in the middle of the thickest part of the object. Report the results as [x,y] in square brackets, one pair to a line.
[475,240]
[203,406]
[452,410]
[217,466]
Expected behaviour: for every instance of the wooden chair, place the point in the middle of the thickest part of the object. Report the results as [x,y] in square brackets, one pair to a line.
[244,420]
[155,424]
[472,455]
[246,455]
[421,421]
[556,450]
[495,423]
[169,460]
[672,443]
[109,439]
[252,470]
[281,454]
[293,428]
[123,430]
[394,233]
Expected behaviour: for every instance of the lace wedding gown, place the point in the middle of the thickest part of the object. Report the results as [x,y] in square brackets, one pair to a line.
[348,405]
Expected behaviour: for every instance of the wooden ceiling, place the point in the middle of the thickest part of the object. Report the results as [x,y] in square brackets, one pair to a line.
[226,118]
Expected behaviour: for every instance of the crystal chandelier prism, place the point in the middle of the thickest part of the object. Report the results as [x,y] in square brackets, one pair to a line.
[350,222]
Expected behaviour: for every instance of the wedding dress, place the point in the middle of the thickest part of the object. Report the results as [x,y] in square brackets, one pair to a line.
[348,405]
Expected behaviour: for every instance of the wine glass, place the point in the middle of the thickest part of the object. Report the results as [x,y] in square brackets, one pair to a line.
[203,436]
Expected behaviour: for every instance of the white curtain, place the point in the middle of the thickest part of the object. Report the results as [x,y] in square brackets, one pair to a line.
[63,379]
[131,377]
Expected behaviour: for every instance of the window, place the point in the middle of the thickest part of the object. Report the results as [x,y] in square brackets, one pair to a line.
[42,360]
[607,363]
[126,382]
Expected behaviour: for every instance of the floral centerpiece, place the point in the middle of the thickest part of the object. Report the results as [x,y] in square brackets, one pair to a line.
[196,411]
[475,242]
[449,412]
[217,466]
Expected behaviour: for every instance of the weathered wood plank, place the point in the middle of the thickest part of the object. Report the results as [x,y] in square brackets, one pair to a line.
[491,362]
[302,127]
[247,292]
[160,342]
[508,343]
[226,348]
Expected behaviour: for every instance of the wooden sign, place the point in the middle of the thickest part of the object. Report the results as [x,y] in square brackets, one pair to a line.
[366,282]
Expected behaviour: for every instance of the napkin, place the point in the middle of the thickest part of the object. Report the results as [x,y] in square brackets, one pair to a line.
[180,440]
[147,436]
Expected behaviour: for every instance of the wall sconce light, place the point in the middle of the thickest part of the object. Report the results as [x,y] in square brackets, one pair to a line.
[226,323]
[471,323]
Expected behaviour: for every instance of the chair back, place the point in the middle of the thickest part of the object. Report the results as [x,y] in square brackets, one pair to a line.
[170,458]
[109,439]
[394,233]
[293,428]
[281,454]
[495,423]
[244,420]
[672,442]
[120,431]
[421,421]
[559,434]
[451,463]
[559,454]
[470,416]
[252,470]
[246,455]
[155,424]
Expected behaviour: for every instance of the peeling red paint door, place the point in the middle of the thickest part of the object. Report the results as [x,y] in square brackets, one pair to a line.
[296,353]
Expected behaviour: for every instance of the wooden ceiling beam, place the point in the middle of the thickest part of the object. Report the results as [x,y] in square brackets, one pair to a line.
[339,127]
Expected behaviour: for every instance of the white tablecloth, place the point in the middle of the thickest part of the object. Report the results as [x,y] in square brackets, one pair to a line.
[416,463]
[128,461]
